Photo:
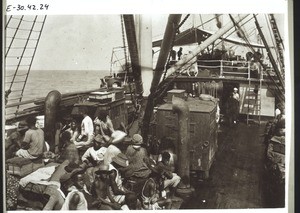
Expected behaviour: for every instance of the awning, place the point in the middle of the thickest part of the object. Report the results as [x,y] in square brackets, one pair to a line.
[195,35]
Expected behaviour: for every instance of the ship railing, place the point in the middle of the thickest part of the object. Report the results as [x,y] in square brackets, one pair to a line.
[237,69]
[36,106]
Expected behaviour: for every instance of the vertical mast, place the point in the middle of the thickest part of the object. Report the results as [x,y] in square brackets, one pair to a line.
[144,40]
[133,51]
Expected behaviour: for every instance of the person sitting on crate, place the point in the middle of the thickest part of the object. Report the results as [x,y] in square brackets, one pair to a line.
[13,142]
[87,130]
[104,126]
[33,145]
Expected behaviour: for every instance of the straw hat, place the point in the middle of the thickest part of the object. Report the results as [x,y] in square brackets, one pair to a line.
[121,160]
[74,169]
[235,89]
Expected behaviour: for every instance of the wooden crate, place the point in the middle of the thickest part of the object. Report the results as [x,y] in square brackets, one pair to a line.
[21,167]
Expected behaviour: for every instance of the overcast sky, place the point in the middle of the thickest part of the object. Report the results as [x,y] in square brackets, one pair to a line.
[85,42]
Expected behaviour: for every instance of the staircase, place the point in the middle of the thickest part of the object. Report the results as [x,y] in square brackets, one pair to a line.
[22,35]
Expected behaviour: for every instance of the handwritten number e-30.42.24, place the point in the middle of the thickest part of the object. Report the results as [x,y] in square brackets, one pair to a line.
[20,7]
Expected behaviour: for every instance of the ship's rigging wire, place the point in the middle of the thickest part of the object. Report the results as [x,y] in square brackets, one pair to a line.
[272,39]
[252,49]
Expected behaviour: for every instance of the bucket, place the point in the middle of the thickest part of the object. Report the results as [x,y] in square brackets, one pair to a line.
[10,129]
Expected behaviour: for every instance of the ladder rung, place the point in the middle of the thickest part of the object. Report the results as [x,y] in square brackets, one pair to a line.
[15,98]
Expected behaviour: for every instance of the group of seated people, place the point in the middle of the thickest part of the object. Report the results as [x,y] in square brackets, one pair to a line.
[104,176]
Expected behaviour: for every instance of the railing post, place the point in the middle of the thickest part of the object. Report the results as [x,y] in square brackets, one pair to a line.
[221,69]
[248,70]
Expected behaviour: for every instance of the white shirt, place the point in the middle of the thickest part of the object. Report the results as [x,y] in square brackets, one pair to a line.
[97,155]
[87,126]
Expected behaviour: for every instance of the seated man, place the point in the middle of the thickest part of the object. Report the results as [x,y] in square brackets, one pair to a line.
[33,144]
[87,130]
[151,199]
[171,179]
[95,154]
[101,191]
[78,197]
[13,143]
[68,149]
[116,167]
[136,154]
[92,157]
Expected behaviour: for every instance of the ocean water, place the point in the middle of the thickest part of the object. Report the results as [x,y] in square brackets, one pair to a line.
[40,83]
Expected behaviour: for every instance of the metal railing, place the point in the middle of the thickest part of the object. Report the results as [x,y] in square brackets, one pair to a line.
[229,68]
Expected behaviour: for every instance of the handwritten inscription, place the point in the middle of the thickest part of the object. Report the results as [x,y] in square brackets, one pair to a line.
[29,7]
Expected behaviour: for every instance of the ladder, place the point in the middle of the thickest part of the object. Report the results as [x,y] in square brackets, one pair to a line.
[253,99]
[278,41]
[22,35]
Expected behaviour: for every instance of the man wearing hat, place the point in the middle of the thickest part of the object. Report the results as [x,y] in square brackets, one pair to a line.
[136,154]
[117,167]
[101,191]
[13,143]
[95,154]
[78,197]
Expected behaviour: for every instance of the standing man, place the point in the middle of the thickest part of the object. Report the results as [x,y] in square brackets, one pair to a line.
[236,97]
[87,130]
[179,53]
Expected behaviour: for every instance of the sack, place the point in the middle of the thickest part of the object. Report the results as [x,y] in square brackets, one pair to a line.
[117,136]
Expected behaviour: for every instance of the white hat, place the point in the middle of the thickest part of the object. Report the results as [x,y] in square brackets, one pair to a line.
[235,89]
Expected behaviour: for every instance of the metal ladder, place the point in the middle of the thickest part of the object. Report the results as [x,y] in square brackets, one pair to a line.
[22,35]
[278,40]
[254,100]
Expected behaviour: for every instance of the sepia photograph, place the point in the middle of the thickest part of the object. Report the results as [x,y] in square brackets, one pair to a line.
[140,111]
